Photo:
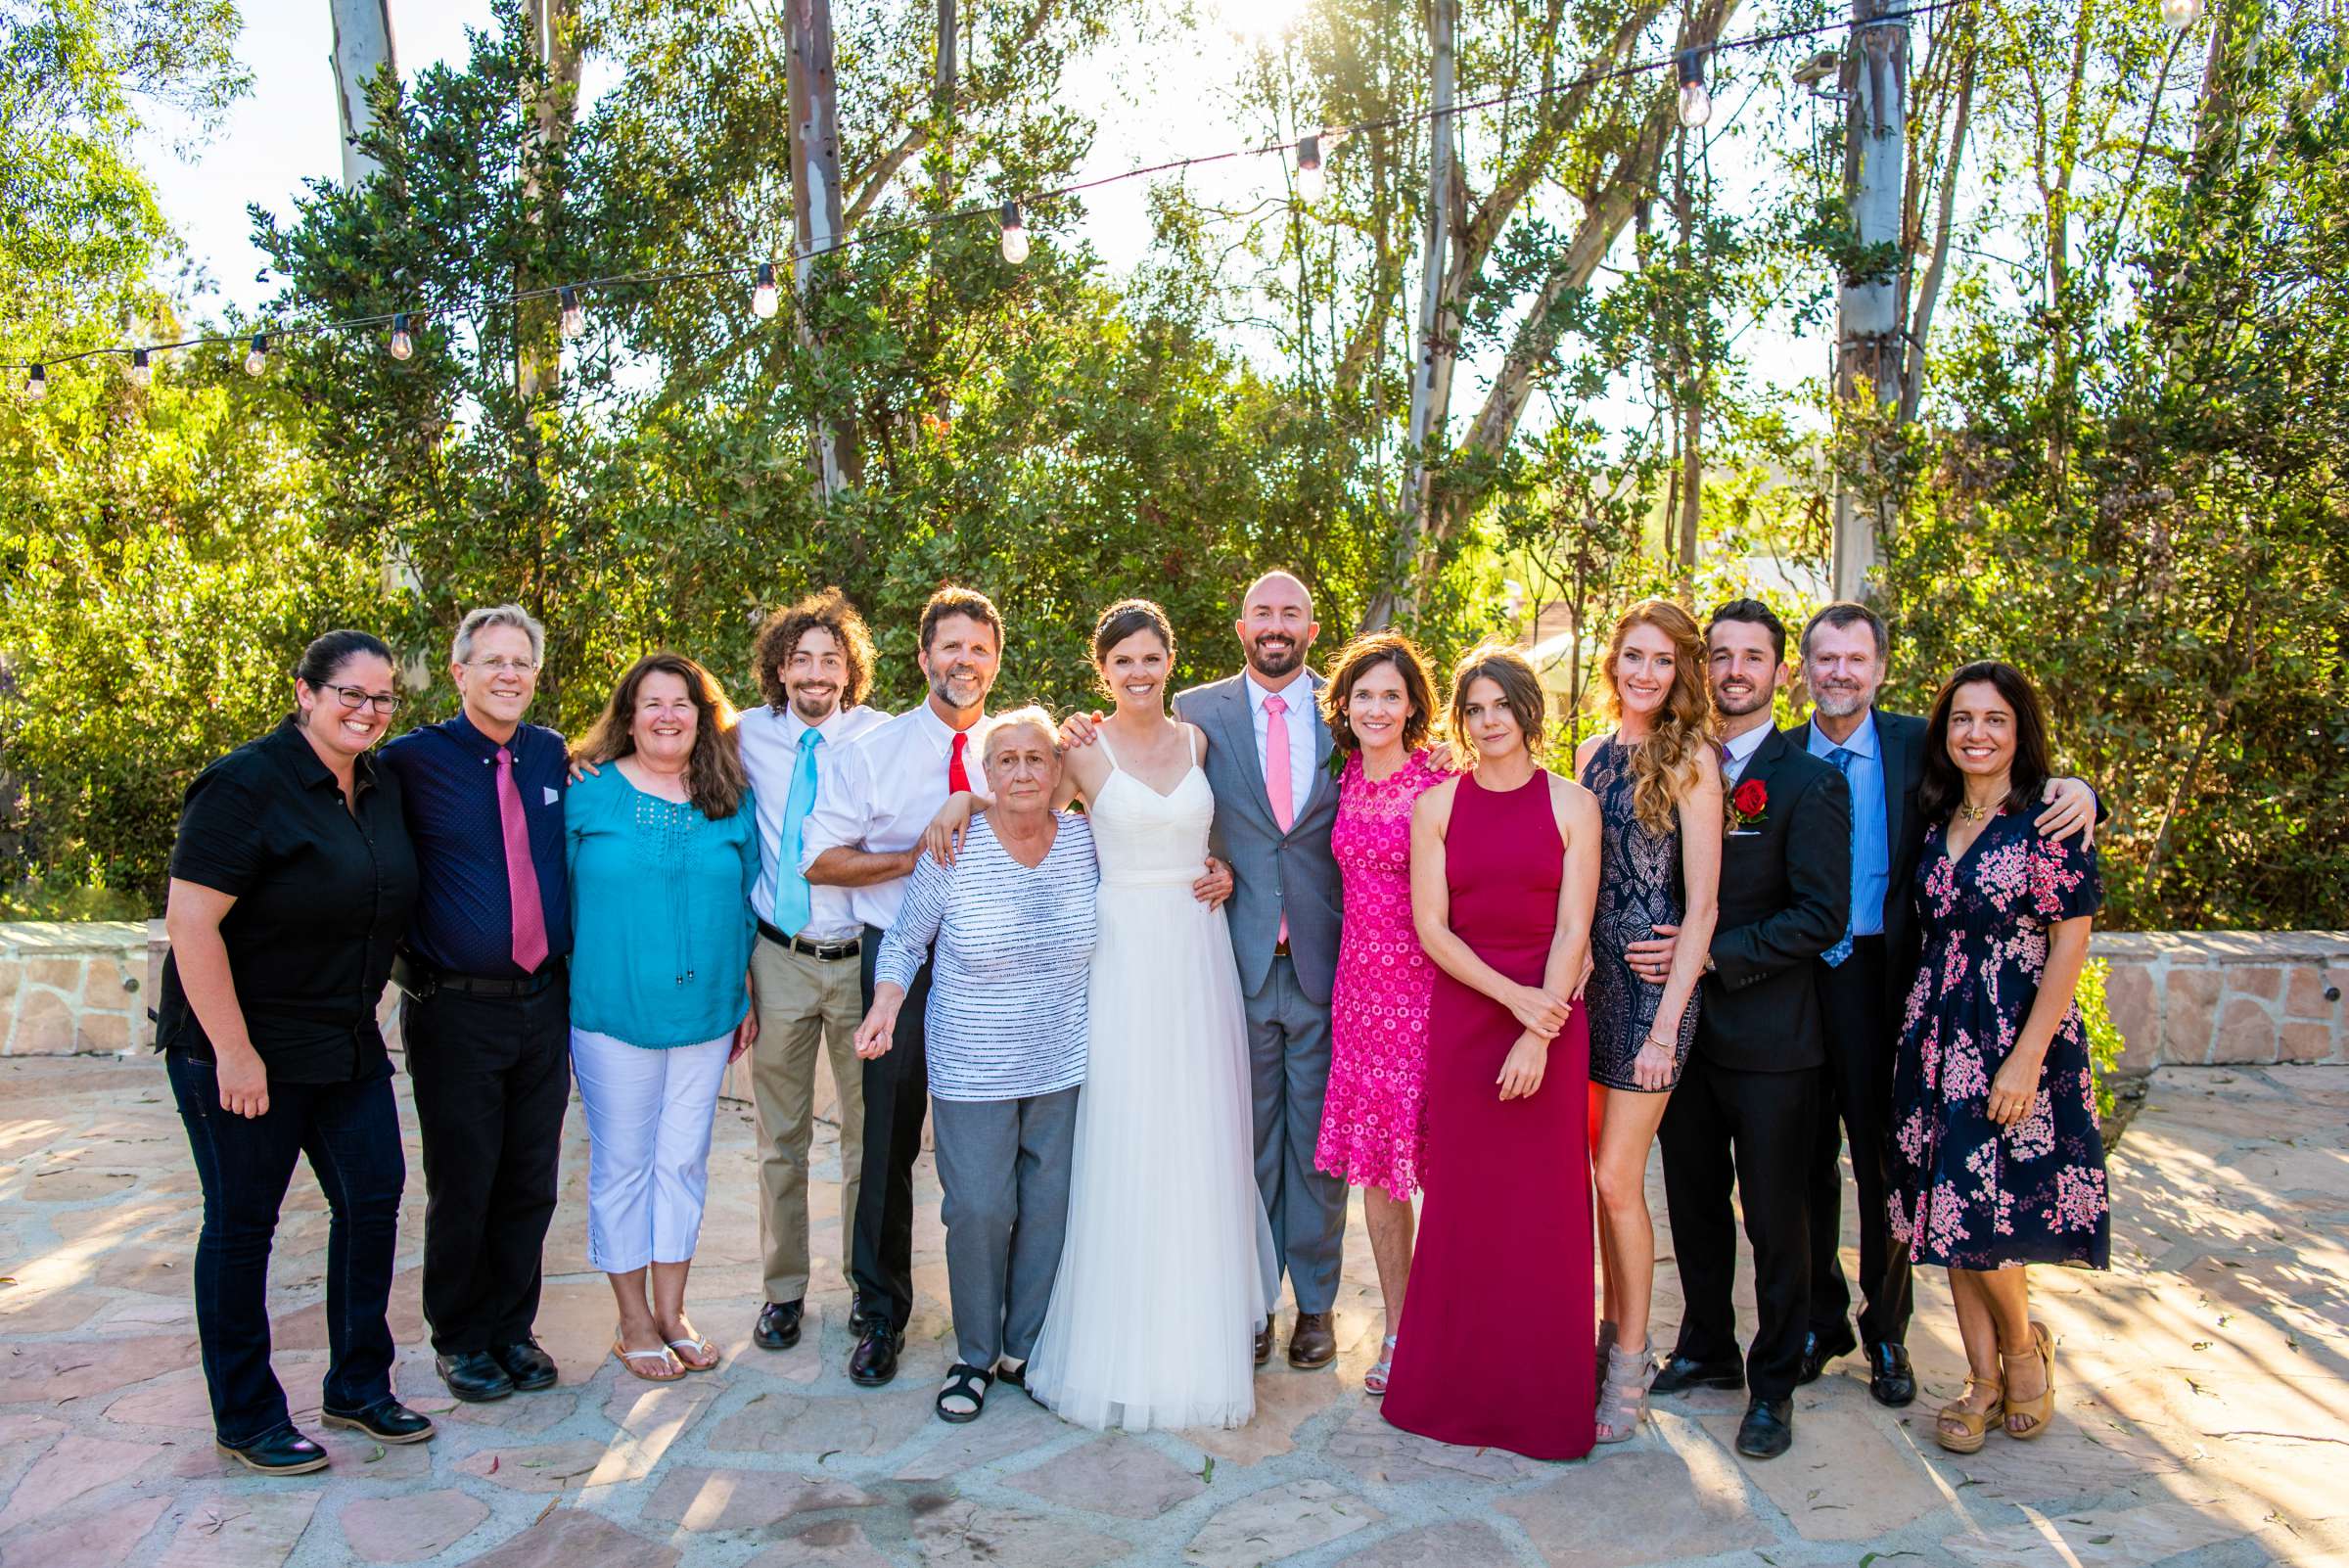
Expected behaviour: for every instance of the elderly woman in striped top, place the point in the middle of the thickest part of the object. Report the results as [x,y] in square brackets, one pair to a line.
[1013,920]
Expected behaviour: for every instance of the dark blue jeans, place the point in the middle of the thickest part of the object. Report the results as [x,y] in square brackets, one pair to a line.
[351,1132]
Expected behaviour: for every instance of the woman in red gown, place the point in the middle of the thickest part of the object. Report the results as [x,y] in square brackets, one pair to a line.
[1505,873]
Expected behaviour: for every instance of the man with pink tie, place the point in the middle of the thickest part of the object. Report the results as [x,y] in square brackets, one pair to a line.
[486,1015]
[1275,800]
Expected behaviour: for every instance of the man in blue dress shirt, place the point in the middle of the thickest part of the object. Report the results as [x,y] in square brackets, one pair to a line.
[486,1014]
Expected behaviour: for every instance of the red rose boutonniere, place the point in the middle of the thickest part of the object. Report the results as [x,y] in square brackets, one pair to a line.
[1747,802]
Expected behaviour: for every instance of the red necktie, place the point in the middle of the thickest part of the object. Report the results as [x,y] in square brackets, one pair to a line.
[521,877]
[958,777]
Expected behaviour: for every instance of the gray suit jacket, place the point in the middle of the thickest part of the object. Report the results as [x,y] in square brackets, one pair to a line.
[1273,873]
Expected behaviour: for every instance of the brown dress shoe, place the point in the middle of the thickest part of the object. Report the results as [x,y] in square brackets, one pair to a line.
[1312,1343]
[1263,1343]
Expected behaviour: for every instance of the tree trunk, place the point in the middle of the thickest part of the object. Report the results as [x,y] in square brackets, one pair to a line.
[362,47]
[816,213]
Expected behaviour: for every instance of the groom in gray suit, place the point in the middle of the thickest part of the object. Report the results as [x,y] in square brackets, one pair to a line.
[1267,762]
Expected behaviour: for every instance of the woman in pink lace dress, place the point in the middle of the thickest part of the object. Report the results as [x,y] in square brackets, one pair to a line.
[1379,702]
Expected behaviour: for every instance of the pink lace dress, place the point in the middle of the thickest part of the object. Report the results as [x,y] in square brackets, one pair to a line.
[1374,1121]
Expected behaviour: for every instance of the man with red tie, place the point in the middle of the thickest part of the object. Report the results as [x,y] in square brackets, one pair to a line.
[864,834]
[486,1014]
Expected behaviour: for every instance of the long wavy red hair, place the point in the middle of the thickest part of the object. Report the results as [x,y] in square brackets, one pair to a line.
[1665,766]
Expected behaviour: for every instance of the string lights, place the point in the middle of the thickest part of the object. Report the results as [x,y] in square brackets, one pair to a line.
[2181,15]
[1695,104]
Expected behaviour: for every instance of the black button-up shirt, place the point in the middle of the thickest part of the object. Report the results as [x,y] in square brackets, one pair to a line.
[449,787]
[323,897]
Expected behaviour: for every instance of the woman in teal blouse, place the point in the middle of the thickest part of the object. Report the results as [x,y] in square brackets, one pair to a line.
[663,845]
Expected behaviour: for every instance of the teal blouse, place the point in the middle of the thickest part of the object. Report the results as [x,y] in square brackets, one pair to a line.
[660,913]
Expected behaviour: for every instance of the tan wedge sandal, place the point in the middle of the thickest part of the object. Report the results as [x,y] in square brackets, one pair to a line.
[2039,1411]
[1976,1423]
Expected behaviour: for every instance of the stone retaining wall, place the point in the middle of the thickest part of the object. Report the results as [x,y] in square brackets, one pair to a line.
[2190,998]
[2181,998]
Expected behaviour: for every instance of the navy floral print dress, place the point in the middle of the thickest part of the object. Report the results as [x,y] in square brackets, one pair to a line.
[1966,1191]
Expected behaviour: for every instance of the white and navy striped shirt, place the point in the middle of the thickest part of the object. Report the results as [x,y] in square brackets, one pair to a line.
[1015,948]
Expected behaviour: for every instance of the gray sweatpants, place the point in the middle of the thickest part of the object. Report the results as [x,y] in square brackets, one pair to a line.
[1004,1166]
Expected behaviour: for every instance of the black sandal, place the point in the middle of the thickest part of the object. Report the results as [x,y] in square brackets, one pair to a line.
[968,1383]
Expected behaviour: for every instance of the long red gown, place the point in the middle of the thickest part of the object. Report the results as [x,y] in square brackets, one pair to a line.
[1497,1321]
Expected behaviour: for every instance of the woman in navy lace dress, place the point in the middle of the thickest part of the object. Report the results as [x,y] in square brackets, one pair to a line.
[1998,1162]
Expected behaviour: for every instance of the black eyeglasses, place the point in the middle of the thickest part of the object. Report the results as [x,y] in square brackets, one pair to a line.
[351,697]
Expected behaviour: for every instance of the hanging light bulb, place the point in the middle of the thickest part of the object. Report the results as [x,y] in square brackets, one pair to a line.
[36,383]
[1015,234]
[1310,179]
[574,317]
[141,370]
[763,298]
[402,346]
[256,359]
[1696,104]
[2181,15]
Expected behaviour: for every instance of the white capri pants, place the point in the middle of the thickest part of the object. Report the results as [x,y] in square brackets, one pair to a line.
[649,1120]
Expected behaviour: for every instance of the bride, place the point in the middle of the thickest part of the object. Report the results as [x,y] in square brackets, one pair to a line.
[1168,1268]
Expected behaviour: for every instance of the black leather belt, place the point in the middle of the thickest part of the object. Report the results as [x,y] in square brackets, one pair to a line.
[827,951]
[421,980]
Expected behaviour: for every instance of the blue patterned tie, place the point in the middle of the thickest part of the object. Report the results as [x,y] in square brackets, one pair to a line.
[791,887]
[1841,756]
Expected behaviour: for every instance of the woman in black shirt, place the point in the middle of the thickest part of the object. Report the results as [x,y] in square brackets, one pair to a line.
[292,880]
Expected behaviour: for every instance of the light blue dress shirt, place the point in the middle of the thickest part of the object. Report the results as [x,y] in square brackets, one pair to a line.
[1872,855]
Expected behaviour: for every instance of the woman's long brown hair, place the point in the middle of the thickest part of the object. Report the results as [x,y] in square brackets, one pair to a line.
[714,780]
[1665,767]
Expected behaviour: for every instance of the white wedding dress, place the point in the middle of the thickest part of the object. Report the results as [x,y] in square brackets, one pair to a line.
[1168,1263]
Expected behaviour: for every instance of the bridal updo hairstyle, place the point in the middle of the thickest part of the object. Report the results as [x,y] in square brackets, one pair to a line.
[1358,659]
[1123,619]
[1666,765]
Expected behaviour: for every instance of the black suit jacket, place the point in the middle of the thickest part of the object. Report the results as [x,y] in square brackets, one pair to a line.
[1786,896]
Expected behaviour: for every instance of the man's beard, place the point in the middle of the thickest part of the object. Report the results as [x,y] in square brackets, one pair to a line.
[1275,663]
[1755,699]
[940,683]
[1838,703]
[813,709]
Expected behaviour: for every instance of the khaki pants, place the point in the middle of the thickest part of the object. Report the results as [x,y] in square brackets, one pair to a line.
[802,1001]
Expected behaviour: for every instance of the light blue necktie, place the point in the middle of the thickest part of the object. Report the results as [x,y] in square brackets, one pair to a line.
[1841,756]
[791,886]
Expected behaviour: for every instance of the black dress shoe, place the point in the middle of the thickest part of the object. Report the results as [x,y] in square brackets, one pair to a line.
[778,1324]
[473,1376]
[1816,1353]
[284,1452]
[1889,1377]
[1263,1343]
[387,1420]
[1683,1374]
[530,1367]
[1767,1429]
[874,1361]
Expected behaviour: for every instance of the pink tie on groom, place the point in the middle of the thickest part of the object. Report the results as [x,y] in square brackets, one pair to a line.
[521,877]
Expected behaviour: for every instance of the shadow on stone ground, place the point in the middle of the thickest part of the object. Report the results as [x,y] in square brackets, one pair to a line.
[2204,1420]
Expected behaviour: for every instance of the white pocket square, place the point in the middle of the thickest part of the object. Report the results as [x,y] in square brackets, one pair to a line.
[553,795]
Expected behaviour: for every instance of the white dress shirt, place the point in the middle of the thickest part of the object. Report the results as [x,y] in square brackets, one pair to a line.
[884,788]
[1741,750]
[769,738]
[1301,722]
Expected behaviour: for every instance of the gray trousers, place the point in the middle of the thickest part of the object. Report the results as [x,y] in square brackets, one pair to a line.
[1288,1056]
[1004,1166]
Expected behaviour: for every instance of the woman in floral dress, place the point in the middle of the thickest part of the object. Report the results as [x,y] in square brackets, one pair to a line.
[1378,701]
[1998,1162]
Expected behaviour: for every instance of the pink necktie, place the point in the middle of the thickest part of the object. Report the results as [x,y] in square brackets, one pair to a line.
[1276,777]
[521,877]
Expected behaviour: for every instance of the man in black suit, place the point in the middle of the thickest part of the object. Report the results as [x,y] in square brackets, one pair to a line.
[1864,980]
[1747,1101]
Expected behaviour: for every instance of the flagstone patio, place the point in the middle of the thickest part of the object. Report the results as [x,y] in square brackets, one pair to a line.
[2206,1416]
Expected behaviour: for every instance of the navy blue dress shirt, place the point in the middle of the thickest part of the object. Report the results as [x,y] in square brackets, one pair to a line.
[448,780]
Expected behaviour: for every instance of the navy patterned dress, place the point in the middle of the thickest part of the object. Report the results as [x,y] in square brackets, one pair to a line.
[1640,889]
[1966,1191]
